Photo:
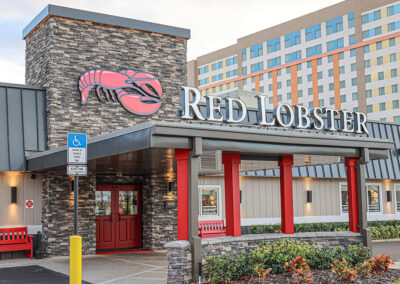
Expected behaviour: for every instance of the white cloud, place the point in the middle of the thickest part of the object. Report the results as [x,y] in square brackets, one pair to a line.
[11,72]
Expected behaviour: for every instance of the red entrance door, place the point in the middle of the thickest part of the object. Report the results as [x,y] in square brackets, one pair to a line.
[118,216]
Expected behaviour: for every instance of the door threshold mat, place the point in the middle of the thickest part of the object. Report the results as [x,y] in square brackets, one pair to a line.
[123,251]
[32,274]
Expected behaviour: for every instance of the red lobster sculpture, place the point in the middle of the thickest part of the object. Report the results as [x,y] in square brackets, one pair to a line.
[139,93]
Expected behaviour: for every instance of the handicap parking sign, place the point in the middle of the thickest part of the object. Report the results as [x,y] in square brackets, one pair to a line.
[77,148]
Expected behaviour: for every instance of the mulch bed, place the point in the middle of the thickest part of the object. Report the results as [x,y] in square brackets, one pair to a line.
[327,276]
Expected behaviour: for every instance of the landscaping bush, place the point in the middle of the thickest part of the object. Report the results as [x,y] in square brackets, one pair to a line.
[346,273]
[380,229]
[300,270]
[274,255]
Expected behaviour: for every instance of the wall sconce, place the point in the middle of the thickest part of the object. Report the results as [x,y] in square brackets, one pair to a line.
[389,196]
[171,197]
[309,196]
[13,194]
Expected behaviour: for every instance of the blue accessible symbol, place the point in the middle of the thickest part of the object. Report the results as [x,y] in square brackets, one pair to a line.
[76,140]
[77,146]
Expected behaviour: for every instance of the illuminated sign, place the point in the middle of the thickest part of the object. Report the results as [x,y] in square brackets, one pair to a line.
[138,92]
[284,115]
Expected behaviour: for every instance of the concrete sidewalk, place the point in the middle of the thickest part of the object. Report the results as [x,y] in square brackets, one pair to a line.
[140,268]
[390,247]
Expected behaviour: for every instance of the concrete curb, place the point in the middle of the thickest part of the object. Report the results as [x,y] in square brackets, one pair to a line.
[386,241]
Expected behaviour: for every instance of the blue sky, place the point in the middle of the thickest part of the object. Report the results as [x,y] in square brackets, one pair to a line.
[213,23]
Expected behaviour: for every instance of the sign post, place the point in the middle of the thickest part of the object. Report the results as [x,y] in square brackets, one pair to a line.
[77,159]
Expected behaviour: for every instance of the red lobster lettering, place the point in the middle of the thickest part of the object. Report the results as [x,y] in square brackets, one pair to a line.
[138,92]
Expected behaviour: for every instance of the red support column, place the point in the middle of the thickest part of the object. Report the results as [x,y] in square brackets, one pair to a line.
[231,161]
[352,194]
[287,216]
[182,177]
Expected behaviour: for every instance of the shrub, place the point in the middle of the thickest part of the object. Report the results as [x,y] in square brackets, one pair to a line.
[385,232]
[261,272]
[357,254]
[274,255]
[320,258]
[346,273]
[300,270]
[380,263]
[230,267]
[364,268]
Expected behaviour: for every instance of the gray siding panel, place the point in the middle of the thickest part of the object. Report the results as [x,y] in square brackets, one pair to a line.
[15,133]
[4,154]
[22,124]
[30,123]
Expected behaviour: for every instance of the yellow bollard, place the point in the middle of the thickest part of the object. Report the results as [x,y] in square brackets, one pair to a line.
[75,260]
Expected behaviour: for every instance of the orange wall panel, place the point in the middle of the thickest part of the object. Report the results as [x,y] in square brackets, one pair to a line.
[314,69]
[336,80]
[275,87]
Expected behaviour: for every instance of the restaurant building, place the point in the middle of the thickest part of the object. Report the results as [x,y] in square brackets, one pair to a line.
[160,160]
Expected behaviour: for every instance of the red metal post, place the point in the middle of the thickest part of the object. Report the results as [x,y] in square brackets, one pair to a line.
[352,194]
[231,161]
[287,216]
[182,177]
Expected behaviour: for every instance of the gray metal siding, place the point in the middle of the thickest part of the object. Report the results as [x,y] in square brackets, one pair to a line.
[22,124]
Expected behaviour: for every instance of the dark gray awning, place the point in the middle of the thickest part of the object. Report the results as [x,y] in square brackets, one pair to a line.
[160,137]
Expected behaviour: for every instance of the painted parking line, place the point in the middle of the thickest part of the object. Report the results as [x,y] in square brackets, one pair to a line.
[128,276]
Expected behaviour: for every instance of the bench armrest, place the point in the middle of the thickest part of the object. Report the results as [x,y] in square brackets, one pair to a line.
[30,238]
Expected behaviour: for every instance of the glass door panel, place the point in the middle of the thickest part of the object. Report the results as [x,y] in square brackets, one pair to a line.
[128,202]
[103,203]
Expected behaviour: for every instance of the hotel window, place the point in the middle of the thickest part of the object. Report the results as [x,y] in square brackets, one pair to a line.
[279,72]
[270,87]
[309,78]
[341,69]
[289,96]
[341,55]
[292,39]
[393,57]
[369,109]
[244,56]
[216,66]
[369,93]
[269,75]
[321,103]
[210,202]
[299,80]
[244,70]
[313,32]
[253,79]
[299,67]
[395,88]
[397,120]
[310,91]
[381,75]
[368,78]
[262,89]
[319,61]
[279,98]
[352,52]
[355,109]
[236,84]
[221,88]
[366,49]
[288,83]
[390,11]
[382,91]
[352,39]
[397,189]
[330,73]
[382,106]
[287,70]
[320,89]
[279,85]
[391,27]
[379,60]
[394,73]
[271,100]
[334,26]
[350,20]
[332,100]
[330,58]
[273,45]
[343,98]
[353,67]
[392,42]
[354,81]
[331,86]
[310,104]
[396,104]
[320,75]
[300,93]
[261,77]
[309,64]
[256,52]
[244,82]
[343,84]
[214,90]
[354,96]
[207,91]
[379,45]
[335,44]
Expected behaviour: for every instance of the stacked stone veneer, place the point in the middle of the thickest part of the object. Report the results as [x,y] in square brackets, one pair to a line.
[159,223]
[58,51]
[179,253]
